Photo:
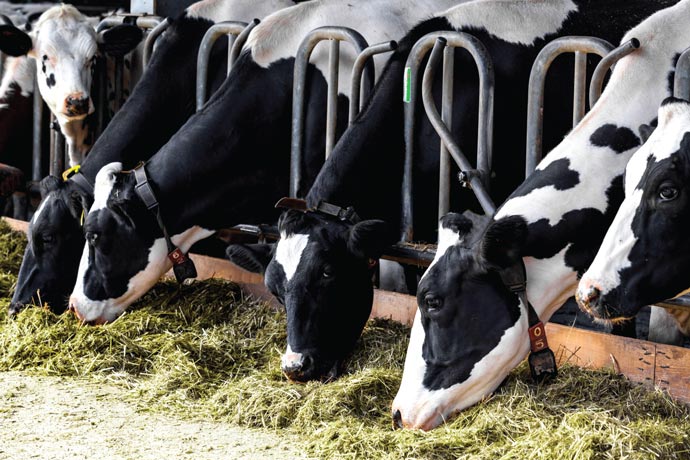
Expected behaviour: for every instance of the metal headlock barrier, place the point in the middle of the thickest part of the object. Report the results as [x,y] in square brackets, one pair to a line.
[361,69]
[485,124]
[580,46]
[237,33]
[681,80]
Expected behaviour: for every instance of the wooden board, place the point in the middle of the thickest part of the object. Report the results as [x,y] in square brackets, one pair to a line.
[664,366]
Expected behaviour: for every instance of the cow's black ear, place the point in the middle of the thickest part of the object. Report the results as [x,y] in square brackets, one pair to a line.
[503,240]
[49,184]
[252,257]
[646,131]
[79,204]
[13,41]
[457,223]
[368,239]
[119,40]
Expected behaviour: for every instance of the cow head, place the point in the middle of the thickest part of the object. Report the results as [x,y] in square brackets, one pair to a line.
[321,271]
[125,253]
[644,256]
[470,330]
[55,244]
[64,45]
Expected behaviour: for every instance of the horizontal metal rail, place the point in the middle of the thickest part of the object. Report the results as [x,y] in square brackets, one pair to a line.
[410,98]
[681,80]
[334,35]
[537,81]
[226,28]
[358,93]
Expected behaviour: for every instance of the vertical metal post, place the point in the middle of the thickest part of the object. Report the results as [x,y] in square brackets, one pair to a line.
[117,84]
[447,117]
[356,80]
[299,86]
[37,172]
[580,83]
[332,101]
[212,34]
[537,81]
[57,148]
[681,81]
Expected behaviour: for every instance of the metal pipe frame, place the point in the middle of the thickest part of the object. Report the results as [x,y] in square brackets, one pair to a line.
[299,85]
[151,38]
[37,147]
[212,34]
[57,148]
[238,43]
[482,58]
[606,64]
[681,80]
[410,98]
[537,81]
[358,93]
[447,118]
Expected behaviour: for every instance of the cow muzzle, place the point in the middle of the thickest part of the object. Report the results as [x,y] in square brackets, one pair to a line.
[592,300]
[85,319]
[302,368]
[77,105]
[415,419]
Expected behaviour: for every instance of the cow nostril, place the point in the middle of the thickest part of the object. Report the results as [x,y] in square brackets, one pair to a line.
[397,420]
[593,295]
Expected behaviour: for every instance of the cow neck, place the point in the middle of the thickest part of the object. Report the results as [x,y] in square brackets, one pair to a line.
[159,104]
[201,174]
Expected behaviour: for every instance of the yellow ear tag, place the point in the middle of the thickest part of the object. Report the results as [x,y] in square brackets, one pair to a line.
[70,172]
[81,219]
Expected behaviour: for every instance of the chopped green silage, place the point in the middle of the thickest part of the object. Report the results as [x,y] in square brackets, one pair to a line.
[206,351]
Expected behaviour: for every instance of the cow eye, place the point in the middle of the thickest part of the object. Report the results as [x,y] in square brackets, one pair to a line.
[327,272]
[432,302]
[92,238]
[668,193]
[47,239]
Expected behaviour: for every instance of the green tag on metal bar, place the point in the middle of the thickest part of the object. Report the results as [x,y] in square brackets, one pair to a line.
[407,85]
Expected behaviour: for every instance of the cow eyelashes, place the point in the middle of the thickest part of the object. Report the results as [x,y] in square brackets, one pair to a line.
[668,192]
[327,272]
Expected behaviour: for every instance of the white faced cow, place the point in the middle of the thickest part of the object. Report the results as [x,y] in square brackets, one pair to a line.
[63,45]
[644,256]
[159,105]
[471,330]
[322,266]
[229,163]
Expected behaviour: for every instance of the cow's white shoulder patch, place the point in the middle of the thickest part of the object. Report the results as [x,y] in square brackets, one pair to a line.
[499,18]
[20,71]
[105,180]
[289,252]
[235,10]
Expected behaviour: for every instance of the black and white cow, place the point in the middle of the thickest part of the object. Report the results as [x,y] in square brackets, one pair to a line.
[470,330]
[230,163]
[159,105]
[644,256]
[63,44]
[325,285]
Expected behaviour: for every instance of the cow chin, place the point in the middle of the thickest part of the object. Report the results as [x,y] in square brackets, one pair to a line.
[95,312]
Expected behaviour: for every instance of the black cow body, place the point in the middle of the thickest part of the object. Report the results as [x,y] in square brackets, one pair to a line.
[229,164]
[365,169]
[159,105]
[552,223]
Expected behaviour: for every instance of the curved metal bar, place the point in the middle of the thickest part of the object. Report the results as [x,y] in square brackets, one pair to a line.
[606,63]
[483,60]
[156,32]
[239,42]
[410,98]
[108,22]
[537,80]
[358,68]
[299,86]
[681,81]
[212,34]
[37,145]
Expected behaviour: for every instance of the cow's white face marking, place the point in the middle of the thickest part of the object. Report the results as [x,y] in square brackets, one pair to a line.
[614,254]
[290,358]
[289,251]
[37,214]
[425,409]
[271,40]
[539,19]
[103,186]
[446,239]
[158,264]
[64,44]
